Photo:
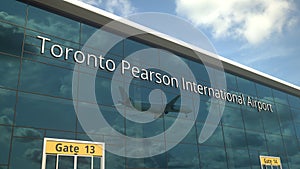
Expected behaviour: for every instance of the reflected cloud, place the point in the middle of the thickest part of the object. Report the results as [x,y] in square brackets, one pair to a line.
[34,155]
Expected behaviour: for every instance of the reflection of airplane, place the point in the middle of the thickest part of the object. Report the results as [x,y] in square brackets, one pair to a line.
[155,108]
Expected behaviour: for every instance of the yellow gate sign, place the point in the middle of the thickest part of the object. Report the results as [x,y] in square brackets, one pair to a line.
[270,161]
[73,148]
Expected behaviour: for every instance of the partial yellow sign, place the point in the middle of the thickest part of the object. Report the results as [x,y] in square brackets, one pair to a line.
[73,148]
[270,161]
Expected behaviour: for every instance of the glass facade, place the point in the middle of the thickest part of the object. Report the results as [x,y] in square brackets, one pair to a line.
[36,102]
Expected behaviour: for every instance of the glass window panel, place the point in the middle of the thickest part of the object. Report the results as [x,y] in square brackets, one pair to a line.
[246,86]
[143,130]
[296,114]
[254,158]
[238,159]
[9,69]
[97,163]
[103,91]
[271,122]
[28,132]
[7,104]
[216,139]
[234,138]
[280,97]
[231,81]
[183,156]
[3,167]
[274,143]
[86,32]
[291,145]
[51,113]
[294,101]
[212,157]
[110,114]
[200,72]
[131,46]
[106,42]
[11,39]
[13,11]
[26,153]
[84,163]
[203,110]
[60,134]
[191,136]
[264,92]
[253,120]
[297,128]
[158,161]
[5,140]
[114,161]
[294,160]
[256,141]
[53,24]
[66,162]
[232,117]
[286,120]
[50,161]
[45,79]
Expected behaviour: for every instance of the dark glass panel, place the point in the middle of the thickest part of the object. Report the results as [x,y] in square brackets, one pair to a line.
[131,46]
[256,141]
[246,86]
[238,159]
[84,163]
[13,11]
[274,143]
[294,101]
[50,161]
[254,158]
[28,132]
[231,81]
[26,153]
[143,130]
[11,39]
[296,115]
[271,122]
[253,120]
[158,161]
[234,138]
[45,79]
[264,92]
[203,110]
[45,112]
[49,23]
[183,156]
[297,128]
[66,162]
[232,117]
[280,97]
[5,140]
[291,146]
[60,134]
[102,41]
[9,69]
[7,104]
[114,161]
[212,157]
[201,72]
[110,114]
[286,120]
[216,139]
[190,137]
